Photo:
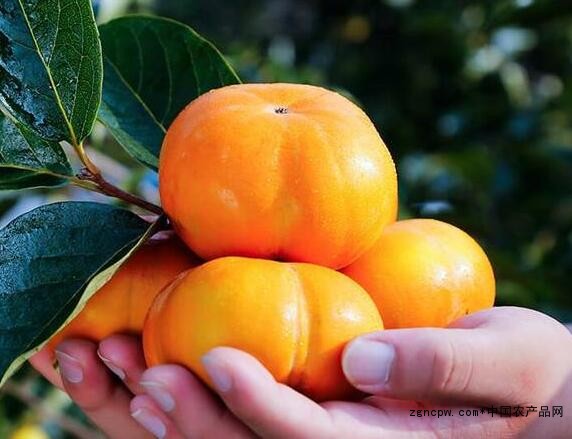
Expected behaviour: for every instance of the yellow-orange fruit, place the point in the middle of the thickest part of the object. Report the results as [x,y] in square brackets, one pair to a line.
[29,431]
[277,171]
[424,272]
[122,303]
[295,318]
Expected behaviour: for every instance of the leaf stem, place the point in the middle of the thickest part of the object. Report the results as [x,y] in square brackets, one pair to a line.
[101,185]
[80,150]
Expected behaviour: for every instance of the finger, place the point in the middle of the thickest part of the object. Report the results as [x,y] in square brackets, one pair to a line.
[150,417]
[92,387]
[382,418]
[463,363]
[268,408]
[190,405]
[44,363]
[123,355]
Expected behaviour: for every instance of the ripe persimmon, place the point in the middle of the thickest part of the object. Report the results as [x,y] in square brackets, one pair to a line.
[424,272]
[294,317]
[277,171]
[122,303]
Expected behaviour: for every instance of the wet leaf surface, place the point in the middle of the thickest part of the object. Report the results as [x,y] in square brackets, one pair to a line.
[50,66]
[47,257]
[153,68]
[28,161]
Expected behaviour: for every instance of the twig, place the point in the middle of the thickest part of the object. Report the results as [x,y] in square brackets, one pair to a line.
[91,173]
[104,187]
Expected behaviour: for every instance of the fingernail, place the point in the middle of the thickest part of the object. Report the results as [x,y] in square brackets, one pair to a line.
[220,378]
[112,367]
[368,362]
[161,396]
[150,422]
[71,369]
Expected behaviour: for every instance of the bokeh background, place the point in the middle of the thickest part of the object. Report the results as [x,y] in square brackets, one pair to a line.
[473,98]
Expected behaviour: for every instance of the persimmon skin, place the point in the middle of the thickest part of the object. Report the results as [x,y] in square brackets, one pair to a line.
[425,273]
[120,306]
[294,317]
[288,172]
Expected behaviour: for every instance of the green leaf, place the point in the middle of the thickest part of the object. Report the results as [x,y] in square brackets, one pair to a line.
[153,68]
[50,66]
[47,259]
[27,161]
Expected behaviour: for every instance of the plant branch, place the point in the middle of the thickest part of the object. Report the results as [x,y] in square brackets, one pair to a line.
[90,178]
[101,185]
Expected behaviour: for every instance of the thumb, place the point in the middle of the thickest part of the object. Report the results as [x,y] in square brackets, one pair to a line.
[483,359]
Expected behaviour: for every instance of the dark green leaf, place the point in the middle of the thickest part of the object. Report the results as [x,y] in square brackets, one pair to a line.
[27,160]
[47,258]
[50,66]
[153,68]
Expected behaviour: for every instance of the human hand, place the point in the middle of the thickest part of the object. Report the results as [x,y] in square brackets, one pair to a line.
[102,395]
[507,356]
[504,356]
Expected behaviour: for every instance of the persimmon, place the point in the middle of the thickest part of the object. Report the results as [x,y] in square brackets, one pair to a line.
[122,303]
[423,272]
[294,317]
[289,172]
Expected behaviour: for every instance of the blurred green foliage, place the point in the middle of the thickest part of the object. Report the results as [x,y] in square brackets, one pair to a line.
[473,98]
